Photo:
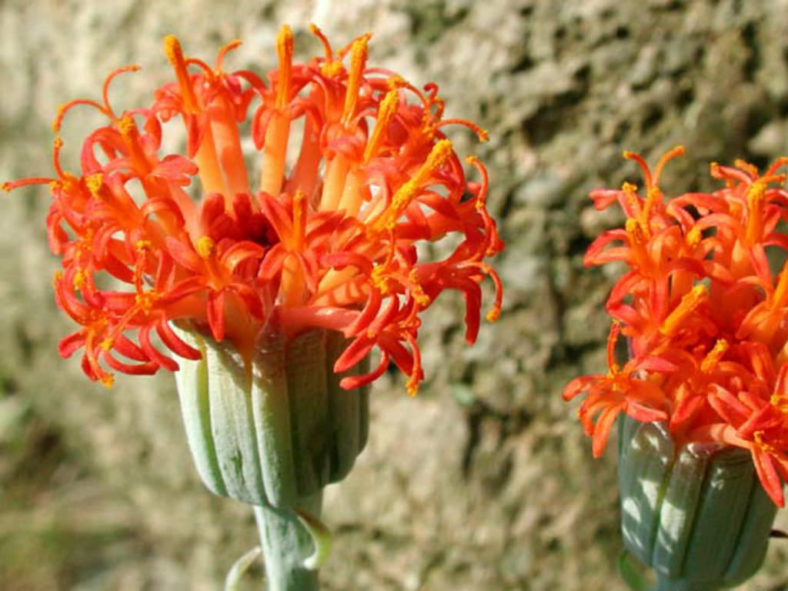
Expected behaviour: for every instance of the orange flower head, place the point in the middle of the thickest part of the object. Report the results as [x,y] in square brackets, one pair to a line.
[704,312]
[322,226]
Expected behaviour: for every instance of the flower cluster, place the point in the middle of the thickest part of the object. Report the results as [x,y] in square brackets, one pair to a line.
[704,313]
[355,177]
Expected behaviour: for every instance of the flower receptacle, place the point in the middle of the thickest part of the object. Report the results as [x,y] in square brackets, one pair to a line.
[275,428]
[697,514]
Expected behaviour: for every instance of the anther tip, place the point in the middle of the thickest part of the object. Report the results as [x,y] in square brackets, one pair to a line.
[172,49]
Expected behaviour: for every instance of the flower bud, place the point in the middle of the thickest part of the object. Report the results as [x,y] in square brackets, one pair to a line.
[697,514]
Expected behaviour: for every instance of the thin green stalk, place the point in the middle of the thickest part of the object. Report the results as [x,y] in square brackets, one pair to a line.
[287,544]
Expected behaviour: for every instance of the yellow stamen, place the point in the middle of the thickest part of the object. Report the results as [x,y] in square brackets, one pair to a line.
[79,279]
[358,60]
[688,304]
[331,67]
[421,298]
[379,279]
[758,438]
[713,357]
[174,53]
[408,191]
[128,131]
[144,302]
[94,182]
[637,236]
[205,247]
[388,107]
[693,237]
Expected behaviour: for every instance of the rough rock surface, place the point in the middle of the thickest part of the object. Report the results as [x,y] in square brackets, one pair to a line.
[485,480]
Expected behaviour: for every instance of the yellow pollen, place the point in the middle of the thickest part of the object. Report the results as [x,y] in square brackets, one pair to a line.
[421,298]
[126,126]
[94,182]
[688,304]
[108,381]
[388,107]
[144,245]
[396,81]
[106,344]
[694,237]
[144,301]
[629,188]
[713,357]
[205,246]
[79,279]
[779,401]
[632,201]
[758,438]
[172,49]
[379,279]
[358,60]
[332,69]
[635,232]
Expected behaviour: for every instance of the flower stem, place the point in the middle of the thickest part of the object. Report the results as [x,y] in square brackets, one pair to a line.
[286,544]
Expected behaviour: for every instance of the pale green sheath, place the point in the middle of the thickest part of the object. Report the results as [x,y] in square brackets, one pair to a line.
[698,515]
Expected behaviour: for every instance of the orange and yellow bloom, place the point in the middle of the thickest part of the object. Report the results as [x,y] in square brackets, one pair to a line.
[323,226]
[704,313]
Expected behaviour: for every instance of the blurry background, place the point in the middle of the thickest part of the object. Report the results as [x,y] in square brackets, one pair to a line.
[485,480]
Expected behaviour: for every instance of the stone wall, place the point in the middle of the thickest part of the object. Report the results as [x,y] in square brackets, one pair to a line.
[485,480]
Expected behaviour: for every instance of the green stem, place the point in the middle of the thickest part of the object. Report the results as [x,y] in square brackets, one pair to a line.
[287,544]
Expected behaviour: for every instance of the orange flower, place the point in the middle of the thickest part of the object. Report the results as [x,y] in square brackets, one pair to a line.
[705,317]
[327,238]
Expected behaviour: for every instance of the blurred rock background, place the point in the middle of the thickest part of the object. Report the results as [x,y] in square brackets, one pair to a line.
[485,480]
